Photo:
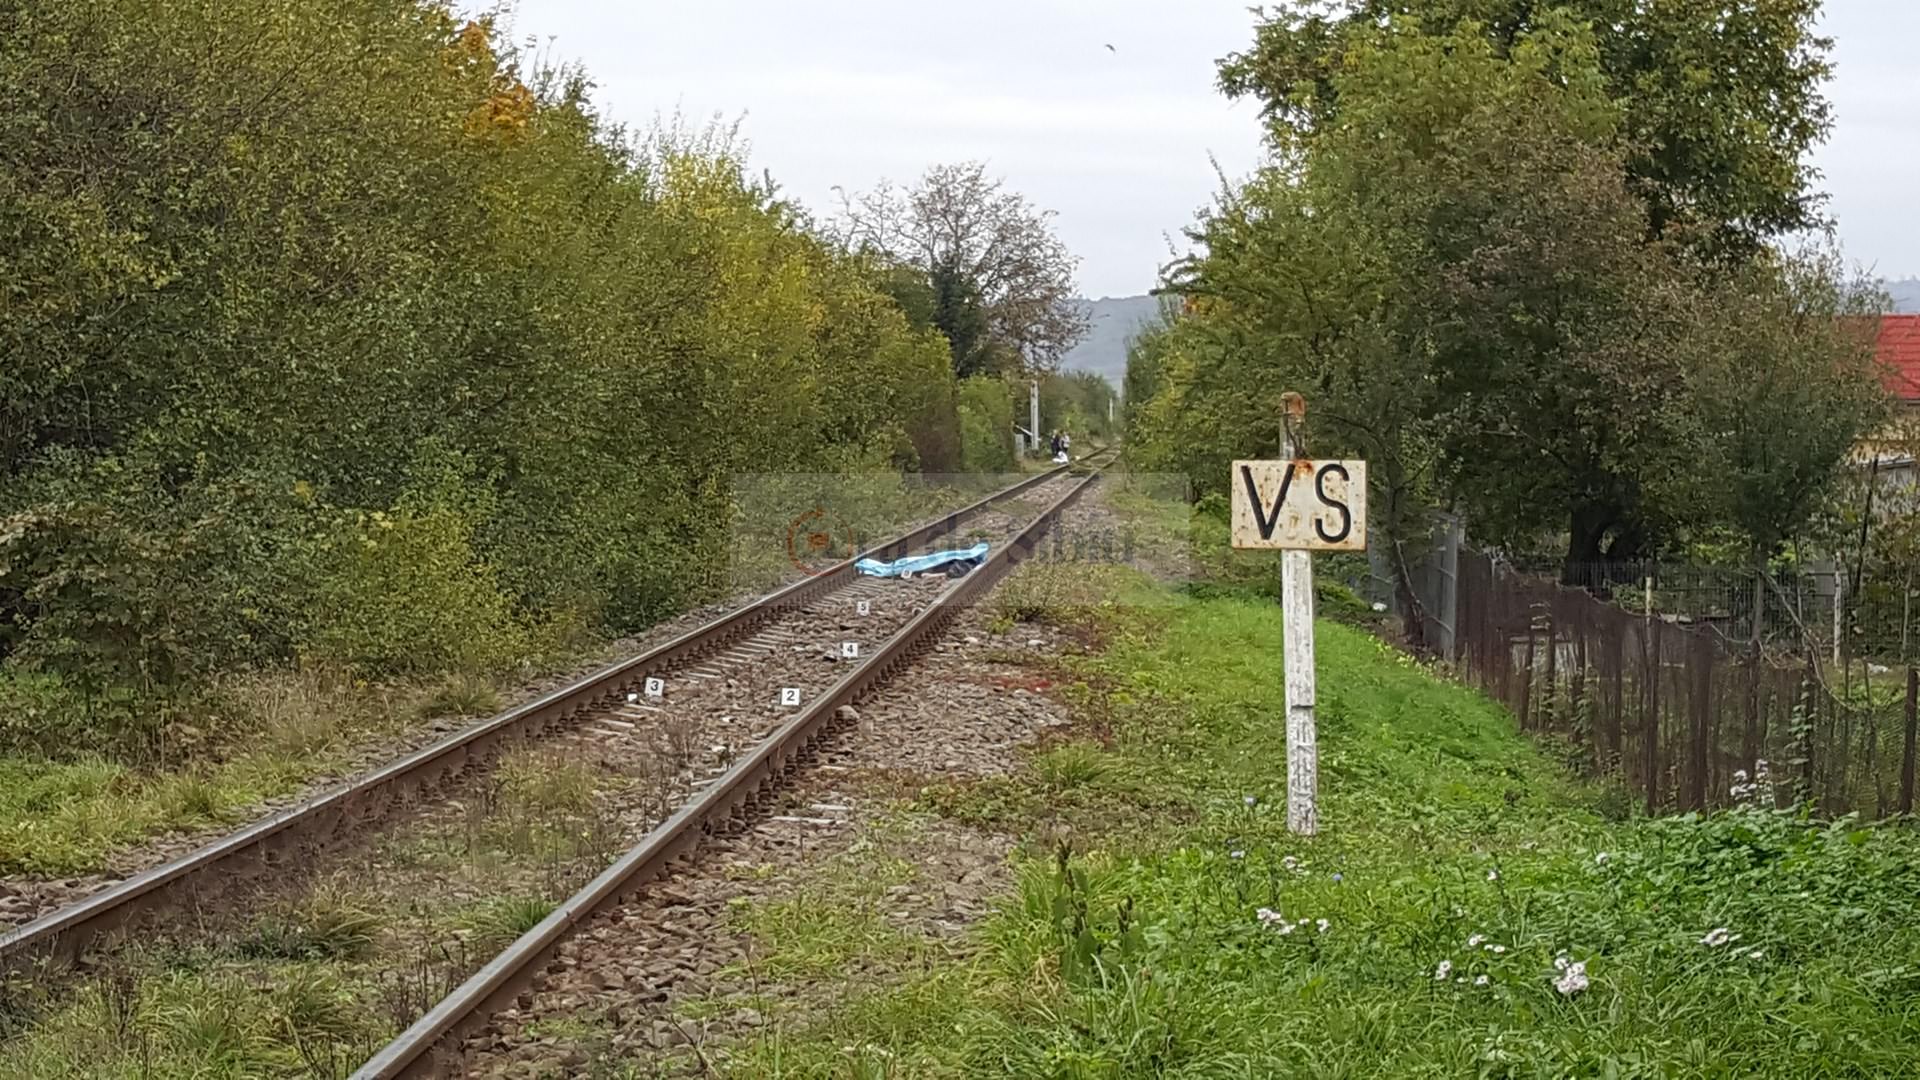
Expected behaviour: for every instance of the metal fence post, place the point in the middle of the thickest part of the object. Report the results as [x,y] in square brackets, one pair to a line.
[1906,758]
[1702,708]
[1652,727]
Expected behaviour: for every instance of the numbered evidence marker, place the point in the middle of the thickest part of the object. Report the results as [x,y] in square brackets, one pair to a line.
[849,650]
[789,696]
[656,688]
[1301,505]
[864,608]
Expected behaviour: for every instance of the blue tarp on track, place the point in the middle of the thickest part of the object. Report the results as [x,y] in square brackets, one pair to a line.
[915,564]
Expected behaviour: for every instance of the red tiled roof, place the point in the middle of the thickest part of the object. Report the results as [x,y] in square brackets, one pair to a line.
[1898,349]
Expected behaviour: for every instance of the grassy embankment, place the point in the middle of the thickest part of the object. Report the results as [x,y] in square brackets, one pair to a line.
[1461,875]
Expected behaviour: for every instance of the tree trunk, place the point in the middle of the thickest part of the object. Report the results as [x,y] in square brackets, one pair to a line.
[1586,531]
[1589,528]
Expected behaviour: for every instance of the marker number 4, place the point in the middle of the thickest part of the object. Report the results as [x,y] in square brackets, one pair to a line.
[849,650]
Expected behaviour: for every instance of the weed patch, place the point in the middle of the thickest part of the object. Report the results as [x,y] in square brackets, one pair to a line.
[497,923]
[459,694]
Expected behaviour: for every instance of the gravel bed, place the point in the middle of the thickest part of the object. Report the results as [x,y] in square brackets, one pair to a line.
[636,987]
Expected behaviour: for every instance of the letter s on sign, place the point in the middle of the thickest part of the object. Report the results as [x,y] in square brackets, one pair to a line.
[1346,515]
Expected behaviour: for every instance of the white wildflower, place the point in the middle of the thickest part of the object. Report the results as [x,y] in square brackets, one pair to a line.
[1321,925]
[1493,875]
[1739,776]
[1460,979]
[1249,800]
[1269,916]
[1717,937]
[1236,853]
[1756,954]
[1285,928]
[1496,949]
[1445,969]
[1572,980]
[1480,980]
[1560,962]
[1290,863]
[1474,941]
[1602,859]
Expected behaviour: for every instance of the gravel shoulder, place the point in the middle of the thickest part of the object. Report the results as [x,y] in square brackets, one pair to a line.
[849,884]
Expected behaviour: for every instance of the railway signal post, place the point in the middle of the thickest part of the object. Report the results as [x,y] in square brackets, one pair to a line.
[1299,506]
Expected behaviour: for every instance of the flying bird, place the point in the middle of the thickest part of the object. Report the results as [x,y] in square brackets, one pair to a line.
[1111,49]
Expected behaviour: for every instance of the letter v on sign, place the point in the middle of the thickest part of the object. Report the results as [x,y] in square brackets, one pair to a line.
[1261,517]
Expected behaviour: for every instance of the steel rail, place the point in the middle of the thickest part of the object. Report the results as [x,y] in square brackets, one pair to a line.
[431,1046]
[334,813]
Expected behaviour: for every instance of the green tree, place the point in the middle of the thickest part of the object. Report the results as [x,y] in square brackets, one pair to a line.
[1787,386]
[1721,99]
[1461,276]
[259,259]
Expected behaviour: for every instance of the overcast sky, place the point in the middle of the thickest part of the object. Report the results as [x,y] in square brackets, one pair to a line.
[1122,143]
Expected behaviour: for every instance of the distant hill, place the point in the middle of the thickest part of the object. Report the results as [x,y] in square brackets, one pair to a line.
[1906,295]
[1113,322]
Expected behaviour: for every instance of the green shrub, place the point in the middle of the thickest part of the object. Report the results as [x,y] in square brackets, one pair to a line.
[405,591]
[42,715]
[986,426]
[231,357]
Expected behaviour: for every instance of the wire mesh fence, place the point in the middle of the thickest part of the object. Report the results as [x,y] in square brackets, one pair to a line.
[1684,714]
[1828,610]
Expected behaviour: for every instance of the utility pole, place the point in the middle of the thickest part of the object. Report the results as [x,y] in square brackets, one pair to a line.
[1033,411]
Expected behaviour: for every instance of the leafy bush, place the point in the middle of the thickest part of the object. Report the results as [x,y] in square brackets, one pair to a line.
[986,426]
[405,592]
[377,235]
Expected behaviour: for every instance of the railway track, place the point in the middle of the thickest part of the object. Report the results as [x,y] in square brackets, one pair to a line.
[752,689]
[432,1045]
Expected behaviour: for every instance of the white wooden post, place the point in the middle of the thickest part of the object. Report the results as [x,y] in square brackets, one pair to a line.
[1296,607]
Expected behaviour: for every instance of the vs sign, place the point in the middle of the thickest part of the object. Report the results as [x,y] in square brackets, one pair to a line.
[1308,505]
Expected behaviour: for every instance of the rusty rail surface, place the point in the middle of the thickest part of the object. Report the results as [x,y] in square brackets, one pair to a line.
[431,1047]
[332,815]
